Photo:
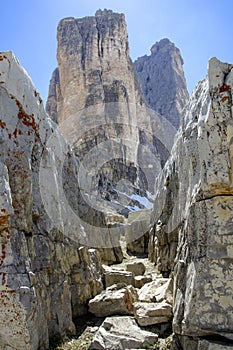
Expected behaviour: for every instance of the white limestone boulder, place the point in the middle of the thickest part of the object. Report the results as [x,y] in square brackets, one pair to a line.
[121,333]
[148,292]
[115,300]
[113,276]
[148,314]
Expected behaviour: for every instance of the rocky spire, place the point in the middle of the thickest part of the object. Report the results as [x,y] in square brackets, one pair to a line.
[98,97]
[51,105]
[162,80]
[93,54]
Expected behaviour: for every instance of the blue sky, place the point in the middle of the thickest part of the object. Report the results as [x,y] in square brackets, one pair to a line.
[199,28]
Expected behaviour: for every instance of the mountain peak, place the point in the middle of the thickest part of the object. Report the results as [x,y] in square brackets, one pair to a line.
[104,12]
[163,43]
[162,80]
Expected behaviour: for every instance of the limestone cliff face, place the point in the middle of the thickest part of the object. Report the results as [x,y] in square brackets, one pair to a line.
[46,277]
[162,80]
[192,221]
[97,101]
[94,63]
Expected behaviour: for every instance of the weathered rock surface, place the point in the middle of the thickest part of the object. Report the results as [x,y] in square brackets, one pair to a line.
[185,342]
[162,80]
[212,345]
[115,300]
[148,314]
[122,333]
[136,232]
[46,277]
[193,220]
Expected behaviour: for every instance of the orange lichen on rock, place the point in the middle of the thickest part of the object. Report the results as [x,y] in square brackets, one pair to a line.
[28,120]
[2,124]
[4,221]
[224,87]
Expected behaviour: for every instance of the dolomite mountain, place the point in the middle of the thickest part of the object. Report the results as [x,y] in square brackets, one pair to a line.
[95,89]
[49,271]
[162,80]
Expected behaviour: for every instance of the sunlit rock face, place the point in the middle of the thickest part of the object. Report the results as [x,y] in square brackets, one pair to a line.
[46,275]
[192,219]
[96,98]
[162,80]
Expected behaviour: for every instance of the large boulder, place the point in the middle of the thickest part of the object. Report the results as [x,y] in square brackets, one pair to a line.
[165,292]
[149,291]
[115,300]
[213,345]
[121,333]
[113,276]
[148,314]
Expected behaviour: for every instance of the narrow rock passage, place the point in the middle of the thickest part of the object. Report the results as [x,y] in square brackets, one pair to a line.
[133,312]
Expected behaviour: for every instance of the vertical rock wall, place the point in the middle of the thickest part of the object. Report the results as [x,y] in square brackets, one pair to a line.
[46,277]
[193,220]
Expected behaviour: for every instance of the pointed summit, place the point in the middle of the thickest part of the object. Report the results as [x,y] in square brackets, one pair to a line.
[162,80]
